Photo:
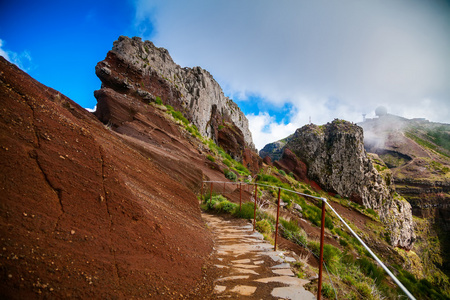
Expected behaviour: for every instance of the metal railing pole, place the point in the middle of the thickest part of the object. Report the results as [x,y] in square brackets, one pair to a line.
[240,196]
[278,214]
[254,212]
[201,195]
[210,193]
[322,234]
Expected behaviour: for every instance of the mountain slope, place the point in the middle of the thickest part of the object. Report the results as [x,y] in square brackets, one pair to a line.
[87,212]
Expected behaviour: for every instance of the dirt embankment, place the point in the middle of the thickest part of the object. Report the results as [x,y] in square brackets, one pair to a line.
[87,212]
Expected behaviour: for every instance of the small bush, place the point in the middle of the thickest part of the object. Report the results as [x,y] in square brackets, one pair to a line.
[179,116]
[230,175]
[211,158]
[227,163]
[372,212]
[264,226]
[269,178]
[246,212]
[225,206]
[371,270]
[364,289]
[158,100]
[327,291]
[282,172]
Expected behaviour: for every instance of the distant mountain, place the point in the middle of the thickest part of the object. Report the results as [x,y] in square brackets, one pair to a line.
[418,153]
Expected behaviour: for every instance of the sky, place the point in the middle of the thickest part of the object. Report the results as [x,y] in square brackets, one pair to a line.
[285,63]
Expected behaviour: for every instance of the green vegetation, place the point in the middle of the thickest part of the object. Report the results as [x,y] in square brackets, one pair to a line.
[211,158]
[230,175]
[354,273]
[437,139]
[158,100]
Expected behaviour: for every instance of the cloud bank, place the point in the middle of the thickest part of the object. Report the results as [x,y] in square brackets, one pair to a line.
[329,59]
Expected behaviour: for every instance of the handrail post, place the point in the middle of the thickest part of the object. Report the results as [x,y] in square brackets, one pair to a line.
[240,196]
[201,193]
[278,214]
[322,234]
[254,211]
[210,193]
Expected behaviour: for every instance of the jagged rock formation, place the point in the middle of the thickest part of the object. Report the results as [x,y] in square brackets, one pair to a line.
[335,158]
[138,69]
[89,213]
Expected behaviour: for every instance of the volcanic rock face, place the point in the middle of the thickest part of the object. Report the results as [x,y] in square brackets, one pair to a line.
[86,212]
[141,70]
[336,159]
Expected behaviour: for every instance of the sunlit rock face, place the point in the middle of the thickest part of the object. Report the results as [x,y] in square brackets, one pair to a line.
[138,69]
[335,158]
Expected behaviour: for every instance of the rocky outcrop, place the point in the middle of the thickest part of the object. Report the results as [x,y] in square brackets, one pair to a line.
[336,160]
[138,69]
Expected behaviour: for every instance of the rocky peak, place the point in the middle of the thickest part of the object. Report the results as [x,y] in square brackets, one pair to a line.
[137,68]
[335,158]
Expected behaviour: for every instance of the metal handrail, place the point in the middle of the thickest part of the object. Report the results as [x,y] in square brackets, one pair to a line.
[324,200]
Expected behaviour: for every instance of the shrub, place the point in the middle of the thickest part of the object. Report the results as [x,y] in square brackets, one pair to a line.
[364,289]
[179,116]
[372,212]
[269,178]
[327,291]
[264,226]
[246,212]
[331,256]
[158,100]
[230,175]
[211,158]
[282,172]
[227,163]
[241,168]
[371,270]
[290,225]
[225,206]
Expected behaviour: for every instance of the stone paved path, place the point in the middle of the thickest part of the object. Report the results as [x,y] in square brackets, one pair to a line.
[248,267]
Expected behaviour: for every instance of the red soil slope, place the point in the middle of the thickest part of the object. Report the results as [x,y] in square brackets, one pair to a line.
[86,212]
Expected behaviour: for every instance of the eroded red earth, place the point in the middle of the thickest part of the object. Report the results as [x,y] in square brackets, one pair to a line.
[86,212]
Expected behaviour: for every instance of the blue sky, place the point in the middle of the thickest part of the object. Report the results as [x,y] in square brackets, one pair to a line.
[283,62]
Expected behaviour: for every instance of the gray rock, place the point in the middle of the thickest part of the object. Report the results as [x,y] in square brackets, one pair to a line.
[199,93]
[336,159]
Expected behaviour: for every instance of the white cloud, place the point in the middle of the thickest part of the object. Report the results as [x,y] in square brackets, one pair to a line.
[3,52]
[330,59]
[91,109]
[266,130]
[22,60]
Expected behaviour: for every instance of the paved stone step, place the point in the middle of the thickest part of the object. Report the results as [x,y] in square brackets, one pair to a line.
[249,267]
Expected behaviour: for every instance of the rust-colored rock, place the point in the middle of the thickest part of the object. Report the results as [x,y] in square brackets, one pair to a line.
[251,161]
[289,162]
[87,212]
[267,160]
